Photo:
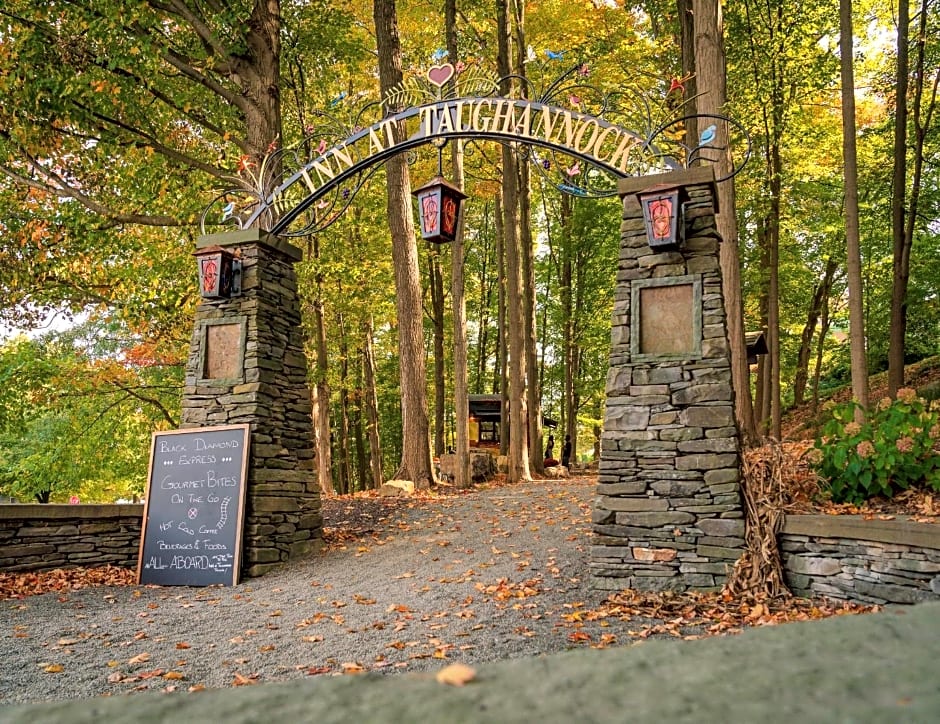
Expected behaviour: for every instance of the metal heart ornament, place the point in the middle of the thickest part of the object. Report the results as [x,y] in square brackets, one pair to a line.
[440,74]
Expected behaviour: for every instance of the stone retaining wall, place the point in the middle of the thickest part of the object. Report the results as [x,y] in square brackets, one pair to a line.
[869,561]
[43,537]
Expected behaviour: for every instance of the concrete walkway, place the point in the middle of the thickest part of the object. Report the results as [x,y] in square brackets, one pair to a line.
[874,668]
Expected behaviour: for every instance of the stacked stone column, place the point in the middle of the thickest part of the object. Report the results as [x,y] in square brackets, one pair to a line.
[668,514]
[264,383]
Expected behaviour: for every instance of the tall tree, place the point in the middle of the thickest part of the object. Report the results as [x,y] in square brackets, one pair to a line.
[900,247]
[518,459]
[462,478]
[852,244]
[710,83]
[371,403]
[416,449]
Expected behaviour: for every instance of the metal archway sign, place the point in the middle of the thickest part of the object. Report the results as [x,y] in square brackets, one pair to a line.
[574,135]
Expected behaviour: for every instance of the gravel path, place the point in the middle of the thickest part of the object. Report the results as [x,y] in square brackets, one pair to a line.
[404,585]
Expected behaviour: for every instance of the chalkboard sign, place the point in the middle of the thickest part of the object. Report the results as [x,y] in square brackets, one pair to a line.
[193,512]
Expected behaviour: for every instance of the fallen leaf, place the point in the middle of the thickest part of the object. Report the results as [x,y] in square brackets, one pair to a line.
[140,658]
[183,645]
[54,668]
[241,680]
[174,675]
[456,675]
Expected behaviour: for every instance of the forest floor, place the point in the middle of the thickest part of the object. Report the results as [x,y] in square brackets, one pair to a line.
[403,584]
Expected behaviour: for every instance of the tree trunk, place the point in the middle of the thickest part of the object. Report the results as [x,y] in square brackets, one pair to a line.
[710,83]
[821,292]
[820,348]
[361,476]
[260,76]
[371,397]
[527,253]
[518,460]
[852,243]
[501,374]
[687,96]
[436,284]
[416,448]
[901,250]
[565,284]
[462,477]
[321,392]
[343,466]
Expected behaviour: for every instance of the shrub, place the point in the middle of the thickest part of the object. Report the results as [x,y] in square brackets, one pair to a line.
[888,452]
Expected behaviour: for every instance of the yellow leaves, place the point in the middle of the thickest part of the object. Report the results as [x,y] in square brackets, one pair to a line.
[54,669]
[456,675]
[139,659]
[352,667]
[311,639]
[174,675]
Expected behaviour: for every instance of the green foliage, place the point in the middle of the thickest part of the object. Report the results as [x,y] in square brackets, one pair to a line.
[76,413]
[888,452]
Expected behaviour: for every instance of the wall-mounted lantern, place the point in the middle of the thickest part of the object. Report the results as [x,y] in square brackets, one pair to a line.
[220,273]
[439,206]
[664,217]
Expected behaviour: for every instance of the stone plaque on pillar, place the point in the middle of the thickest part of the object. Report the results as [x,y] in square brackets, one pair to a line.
[222,353]
[667,318]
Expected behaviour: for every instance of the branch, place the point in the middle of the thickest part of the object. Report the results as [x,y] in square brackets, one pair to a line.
[64,191]
[149,400]
[154,143]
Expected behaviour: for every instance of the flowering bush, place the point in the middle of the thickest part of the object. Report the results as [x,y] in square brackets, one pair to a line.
[890,451]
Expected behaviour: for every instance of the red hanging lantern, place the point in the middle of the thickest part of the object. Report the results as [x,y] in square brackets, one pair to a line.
[219,273]
[662,213]
[439,206]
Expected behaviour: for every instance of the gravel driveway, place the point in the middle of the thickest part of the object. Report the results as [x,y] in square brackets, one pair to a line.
[404,585]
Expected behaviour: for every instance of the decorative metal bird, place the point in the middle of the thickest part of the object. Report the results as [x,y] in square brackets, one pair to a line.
[338,98]
[708,135]
[555,55]
[439,55]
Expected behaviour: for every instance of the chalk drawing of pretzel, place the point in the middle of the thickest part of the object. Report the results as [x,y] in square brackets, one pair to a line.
[223,516]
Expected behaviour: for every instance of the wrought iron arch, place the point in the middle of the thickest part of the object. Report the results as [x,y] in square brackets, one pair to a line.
[582,149]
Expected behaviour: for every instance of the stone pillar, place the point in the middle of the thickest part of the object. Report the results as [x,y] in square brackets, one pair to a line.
[668,515]
[247,365]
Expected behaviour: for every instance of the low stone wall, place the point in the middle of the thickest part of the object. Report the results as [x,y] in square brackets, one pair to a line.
[869,561]
[43,537]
